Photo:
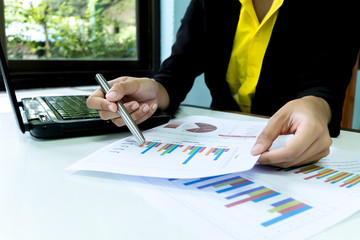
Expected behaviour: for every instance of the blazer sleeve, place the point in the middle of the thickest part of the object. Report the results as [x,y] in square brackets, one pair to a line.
[331,59]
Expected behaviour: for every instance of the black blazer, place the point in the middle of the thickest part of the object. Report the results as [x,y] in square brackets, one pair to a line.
[312,51]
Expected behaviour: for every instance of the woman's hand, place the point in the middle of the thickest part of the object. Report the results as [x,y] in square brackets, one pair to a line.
[307,118]
[141,98]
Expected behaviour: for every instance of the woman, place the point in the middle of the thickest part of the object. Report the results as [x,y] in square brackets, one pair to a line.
[291,60]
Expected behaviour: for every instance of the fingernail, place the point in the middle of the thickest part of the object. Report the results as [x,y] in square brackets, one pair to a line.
[146,109]
[154,107]
[111,95]
[135,106]
[112,108]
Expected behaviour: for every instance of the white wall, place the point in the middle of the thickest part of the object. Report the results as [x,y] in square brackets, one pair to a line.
[171,14]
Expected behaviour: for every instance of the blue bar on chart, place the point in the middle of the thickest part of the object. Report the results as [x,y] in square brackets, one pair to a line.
[193,151]
[149,145]
[169,148]
[166,148]
[287,208]
[221,182]
[229,183]
[217,152]
[351,182]
[201,180]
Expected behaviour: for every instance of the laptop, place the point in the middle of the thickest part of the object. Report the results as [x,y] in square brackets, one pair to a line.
[61,116]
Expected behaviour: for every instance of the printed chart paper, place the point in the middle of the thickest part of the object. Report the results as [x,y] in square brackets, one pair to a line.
[187,147]
[262,203]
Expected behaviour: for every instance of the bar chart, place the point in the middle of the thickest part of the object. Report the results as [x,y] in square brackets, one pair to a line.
[236,191]
[188,147]
[328,175]
[190,150]
[262,203]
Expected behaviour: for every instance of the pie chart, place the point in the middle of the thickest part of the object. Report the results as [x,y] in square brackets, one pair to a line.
[202,128]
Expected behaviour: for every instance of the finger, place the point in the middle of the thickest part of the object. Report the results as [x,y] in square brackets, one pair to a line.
[113,113]
[147,114]
[96,100]
[309,138]
[107,115]
[131,106]
[285,157]
[316,151]
[291,151]
[140,115]
[264,141]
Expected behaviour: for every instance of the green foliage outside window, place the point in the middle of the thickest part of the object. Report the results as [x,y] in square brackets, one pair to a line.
[74,29]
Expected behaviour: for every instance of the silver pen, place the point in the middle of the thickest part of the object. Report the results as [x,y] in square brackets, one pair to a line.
[121,110]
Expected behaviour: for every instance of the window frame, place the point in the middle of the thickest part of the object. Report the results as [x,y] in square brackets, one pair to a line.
[59,73]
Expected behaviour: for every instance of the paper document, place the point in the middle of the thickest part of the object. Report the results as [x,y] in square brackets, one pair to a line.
[262,203]
[189,147]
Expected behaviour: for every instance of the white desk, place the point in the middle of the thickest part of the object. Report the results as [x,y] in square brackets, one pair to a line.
[38,200]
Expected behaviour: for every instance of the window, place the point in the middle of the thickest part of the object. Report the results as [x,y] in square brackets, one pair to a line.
[64,43]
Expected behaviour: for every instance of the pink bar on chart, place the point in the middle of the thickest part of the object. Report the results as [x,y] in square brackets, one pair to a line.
[292,208]
[250,198]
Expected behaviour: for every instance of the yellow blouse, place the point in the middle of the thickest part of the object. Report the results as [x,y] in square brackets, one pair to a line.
[250,43]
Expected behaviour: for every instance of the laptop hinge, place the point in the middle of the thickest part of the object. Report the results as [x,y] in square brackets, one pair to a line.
[24,118]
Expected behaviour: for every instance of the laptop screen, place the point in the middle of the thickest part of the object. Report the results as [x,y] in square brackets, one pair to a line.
[10,89]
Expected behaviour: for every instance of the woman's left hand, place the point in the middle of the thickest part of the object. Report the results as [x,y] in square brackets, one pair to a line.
[307,118]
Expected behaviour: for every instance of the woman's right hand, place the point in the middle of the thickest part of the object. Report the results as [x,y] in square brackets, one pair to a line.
[141,98]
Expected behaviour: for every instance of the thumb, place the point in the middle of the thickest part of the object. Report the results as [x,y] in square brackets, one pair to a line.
[266,138]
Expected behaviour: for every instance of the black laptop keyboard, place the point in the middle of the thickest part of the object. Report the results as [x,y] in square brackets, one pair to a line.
[71,107]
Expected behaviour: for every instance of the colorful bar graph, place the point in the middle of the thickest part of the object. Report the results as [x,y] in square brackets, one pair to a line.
[245,192]
[169,149]
[331,175]
[239,184]
[351,182]
[322,174]
[149,146]
[256,195]
[221,182]
[166,148]
[192,151]
[287,208]
[200,180]
[217,152]
[338,177]
[309,169]
[283,209]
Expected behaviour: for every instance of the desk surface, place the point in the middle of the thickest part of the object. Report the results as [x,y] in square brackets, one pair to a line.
[39,200]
